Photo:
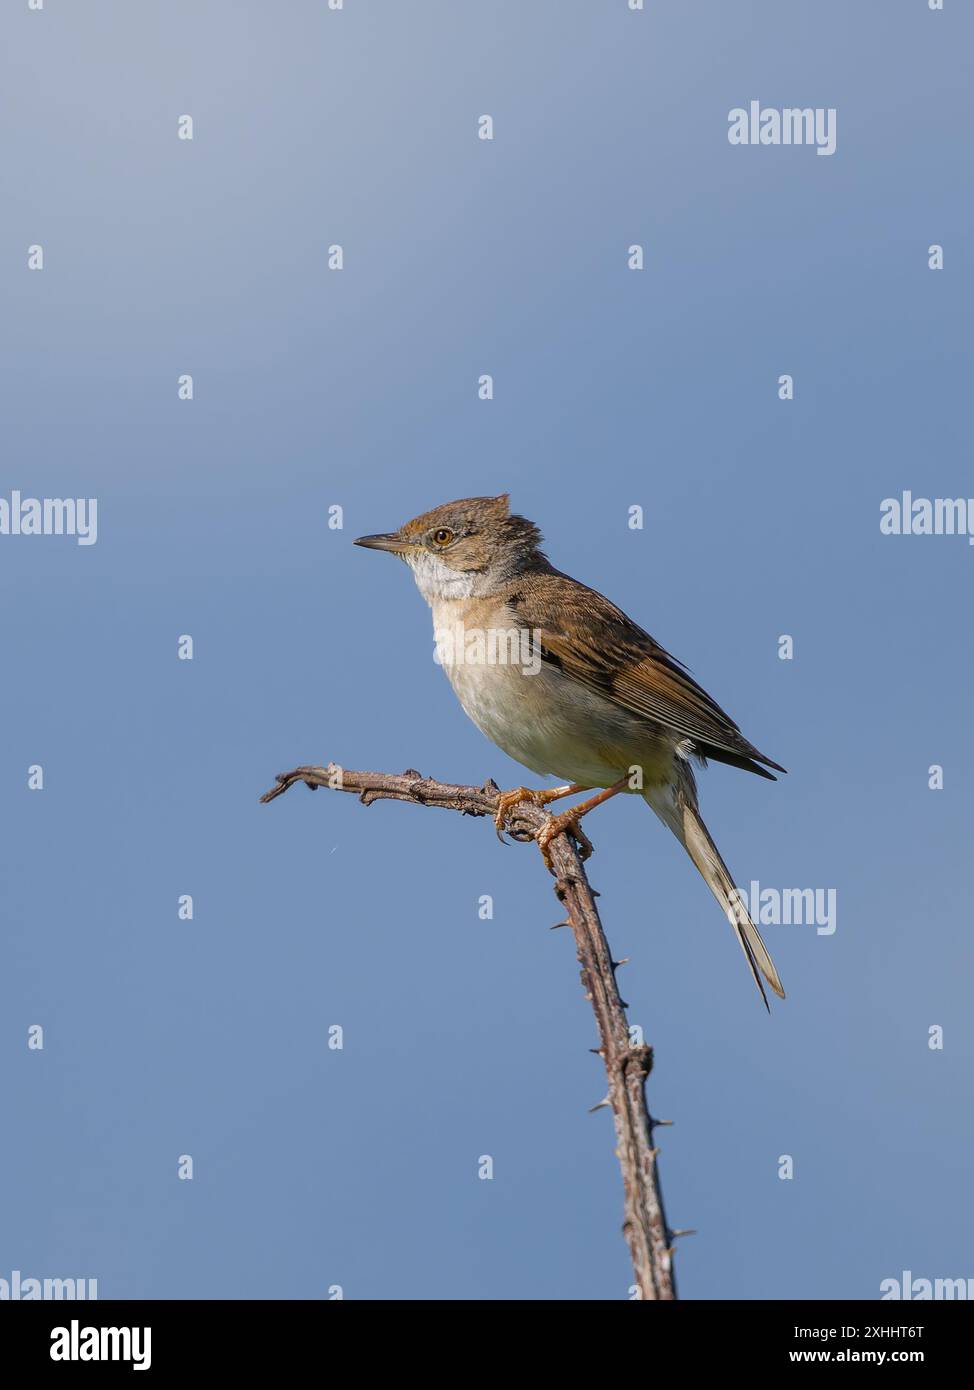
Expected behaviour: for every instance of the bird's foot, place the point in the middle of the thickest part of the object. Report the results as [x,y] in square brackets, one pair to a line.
[508,800]
[557,825]
[571,820]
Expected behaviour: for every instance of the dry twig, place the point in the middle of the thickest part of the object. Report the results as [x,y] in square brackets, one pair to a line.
[648,1236]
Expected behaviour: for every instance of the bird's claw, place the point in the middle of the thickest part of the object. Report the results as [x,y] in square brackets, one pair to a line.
[557,825]
[506,803]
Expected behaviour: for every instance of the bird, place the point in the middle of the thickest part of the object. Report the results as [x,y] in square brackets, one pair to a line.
[567,685]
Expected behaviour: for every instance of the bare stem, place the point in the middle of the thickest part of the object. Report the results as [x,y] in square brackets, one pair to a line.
[627,1067]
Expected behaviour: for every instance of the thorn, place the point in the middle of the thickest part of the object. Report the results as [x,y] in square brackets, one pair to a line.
[601,1105]
[559,924]
[616,963]
[675,1235]
[623,1004]
[660,1122]
[596,1050]
[411,772]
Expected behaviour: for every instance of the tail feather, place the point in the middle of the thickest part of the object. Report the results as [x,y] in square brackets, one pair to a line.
[681,815]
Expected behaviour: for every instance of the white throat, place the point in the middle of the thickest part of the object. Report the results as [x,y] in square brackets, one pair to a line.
[437,581]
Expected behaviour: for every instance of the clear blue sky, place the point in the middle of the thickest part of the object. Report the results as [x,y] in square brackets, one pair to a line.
[613,388]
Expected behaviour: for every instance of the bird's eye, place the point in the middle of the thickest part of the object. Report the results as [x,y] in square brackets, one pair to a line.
[442,536]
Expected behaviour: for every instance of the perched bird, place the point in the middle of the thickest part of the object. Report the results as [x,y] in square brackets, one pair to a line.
[567,685]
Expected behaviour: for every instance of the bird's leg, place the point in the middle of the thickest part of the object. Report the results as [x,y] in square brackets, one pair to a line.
[508,800]
[569,820]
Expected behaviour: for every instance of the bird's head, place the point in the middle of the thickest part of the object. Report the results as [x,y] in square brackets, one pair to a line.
[463,549]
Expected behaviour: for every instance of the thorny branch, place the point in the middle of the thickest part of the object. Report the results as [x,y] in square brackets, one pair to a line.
[627,1067]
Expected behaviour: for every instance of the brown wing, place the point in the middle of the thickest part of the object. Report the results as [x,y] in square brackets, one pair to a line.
[594,642]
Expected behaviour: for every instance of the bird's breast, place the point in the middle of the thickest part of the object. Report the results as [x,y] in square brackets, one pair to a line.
[543,719]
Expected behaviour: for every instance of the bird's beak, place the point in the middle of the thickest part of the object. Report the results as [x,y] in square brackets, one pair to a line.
[390,541]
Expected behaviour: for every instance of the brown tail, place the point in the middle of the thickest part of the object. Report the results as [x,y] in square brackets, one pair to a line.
[679,812]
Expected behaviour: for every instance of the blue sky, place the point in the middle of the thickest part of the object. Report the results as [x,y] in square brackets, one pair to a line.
[358,1168]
